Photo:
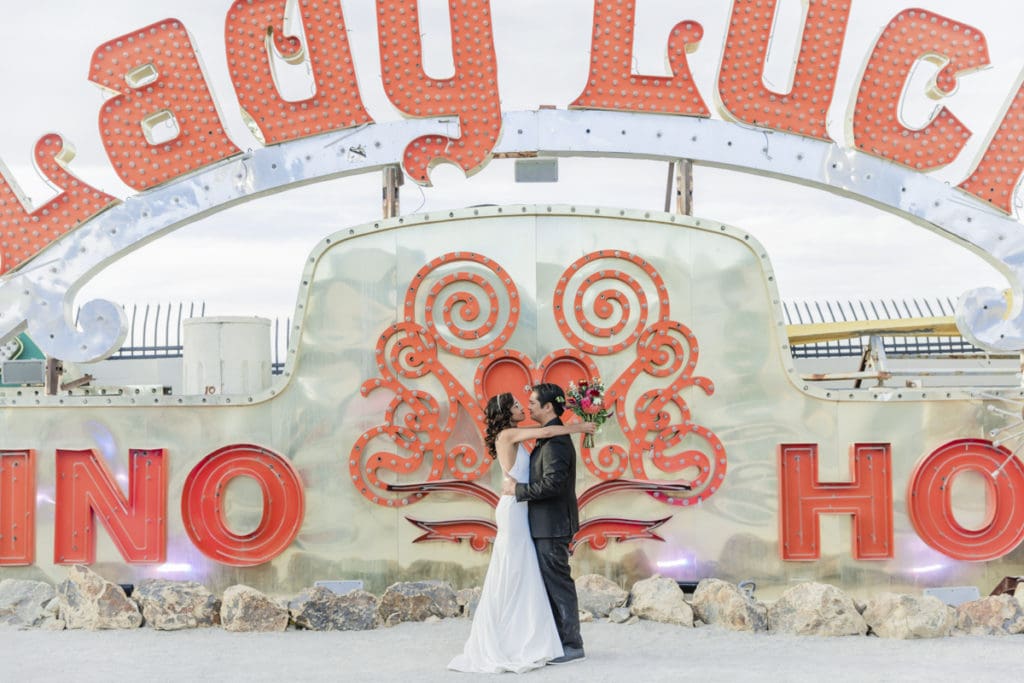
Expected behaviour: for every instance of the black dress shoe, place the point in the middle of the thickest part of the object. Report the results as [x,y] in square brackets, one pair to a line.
[572,654]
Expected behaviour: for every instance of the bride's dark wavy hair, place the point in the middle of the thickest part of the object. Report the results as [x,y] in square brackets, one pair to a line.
[499,416]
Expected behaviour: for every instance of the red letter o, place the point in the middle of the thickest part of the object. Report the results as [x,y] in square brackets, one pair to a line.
[930,505]
[203,515]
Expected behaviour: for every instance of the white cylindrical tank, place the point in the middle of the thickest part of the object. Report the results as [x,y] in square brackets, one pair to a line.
[225,355]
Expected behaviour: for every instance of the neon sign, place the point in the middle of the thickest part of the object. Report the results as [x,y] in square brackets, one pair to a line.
[157,79]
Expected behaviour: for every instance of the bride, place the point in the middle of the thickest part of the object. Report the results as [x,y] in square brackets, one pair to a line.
[513,629]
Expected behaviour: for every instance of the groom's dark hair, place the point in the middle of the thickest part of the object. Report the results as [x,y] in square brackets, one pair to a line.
[551,393]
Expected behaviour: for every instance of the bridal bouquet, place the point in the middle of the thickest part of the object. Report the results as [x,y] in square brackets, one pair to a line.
[586,399]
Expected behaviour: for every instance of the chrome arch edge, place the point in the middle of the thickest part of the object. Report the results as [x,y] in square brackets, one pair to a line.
[983,314]
[41,294]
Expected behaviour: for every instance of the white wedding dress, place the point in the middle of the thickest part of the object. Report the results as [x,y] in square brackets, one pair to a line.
[513,629]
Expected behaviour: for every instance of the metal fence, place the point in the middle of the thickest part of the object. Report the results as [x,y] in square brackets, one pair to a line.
[807,312]
[154,330]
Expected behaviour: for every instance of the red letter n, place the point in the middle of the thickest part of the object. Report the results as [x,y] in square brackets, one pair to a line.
[17,507]
[86,488]
[802,498]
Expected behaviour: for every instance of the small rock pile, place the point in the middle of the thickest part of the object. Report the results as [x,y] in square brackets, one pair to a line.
[87,601]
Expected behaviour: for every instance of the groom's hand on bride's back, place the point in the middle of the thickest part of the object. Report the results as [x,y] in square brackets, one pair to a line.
[508,486]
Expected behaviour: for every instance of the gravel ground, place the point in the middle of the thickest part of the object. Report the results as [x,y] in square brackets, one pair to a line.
[419,652]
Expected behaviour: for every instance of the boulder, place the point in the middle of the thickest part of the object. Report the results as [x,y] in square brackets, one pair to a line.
[173,605]
[23,603]
[660,599]
[723,604]
[995,615]
[88,601]
[319,609]
[891,615]
[244,608]
[468,599]
[620,615]
[599,595]
[816,609]
[417,600]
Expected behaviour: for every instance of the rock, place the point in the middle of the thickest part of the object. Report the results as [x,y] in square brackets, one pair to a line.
[173,605]
[816,609]
[619,615]
[891,615]
[23,603]
[995,615]
[53,622]
[660,599]
[319,609]
[432,619]
[599,595]
[87,600]
[724,604]
[417,600]
[585,616]
[468,599]
[246,609]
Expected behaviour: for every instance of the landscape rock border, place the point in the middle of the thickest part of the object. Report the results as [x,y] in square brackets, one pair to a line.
[87,601]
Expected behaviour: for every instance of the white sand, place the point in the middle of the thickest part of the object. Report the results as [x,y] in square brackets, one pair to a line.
[640,653]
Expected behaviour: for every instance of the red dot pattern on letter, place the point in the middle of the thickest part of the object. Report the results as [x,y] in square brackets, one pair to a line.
[336,104]
[178,88]
[803,110]
[613,85]
[1000,168]
[911,35]
[22,233]
[472,94]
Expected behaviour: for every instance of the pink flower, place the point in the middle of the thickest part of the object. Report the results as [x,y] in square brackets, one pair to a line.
[592,408]
[585,404]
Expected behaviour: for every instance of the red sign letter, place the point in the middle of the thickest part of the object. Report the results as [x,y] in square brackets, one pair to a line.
[203,512]
[472,94]
[165,88]
[612,84]
[930,505]
[23,234]
[136,524]
[253,29]
[802,498]
[912,35]
[1001,166]
[741,79]
[17,507]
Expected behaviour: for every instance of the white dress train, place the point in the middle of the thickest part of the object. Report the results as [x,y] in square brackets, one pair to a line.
[513,629]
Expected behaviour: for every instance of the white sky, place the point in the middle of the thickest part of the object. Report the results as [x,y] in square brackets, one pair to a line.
[248,259]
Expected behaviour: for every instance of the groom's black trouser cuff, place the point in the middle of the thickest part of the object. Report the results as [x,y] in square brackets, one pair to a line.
[553,557]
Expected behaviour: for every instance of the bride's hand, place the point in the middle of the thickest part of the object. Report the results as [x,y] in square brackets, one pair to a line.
[584,428]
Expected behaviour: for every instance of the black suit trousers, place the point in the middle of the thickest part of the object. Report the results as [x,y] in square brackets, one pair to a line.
[553,557]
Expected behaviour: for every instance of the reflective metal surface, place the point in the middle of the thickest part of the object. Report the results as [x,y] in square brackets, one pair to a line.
[41,295]
[718,284]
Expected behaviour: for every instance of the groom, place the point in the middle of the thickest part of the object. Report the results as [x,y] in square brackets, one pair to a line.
[554,515]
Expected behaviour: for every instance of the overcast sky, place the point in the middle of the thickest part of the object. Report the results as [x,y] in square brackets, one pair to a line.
[243,262]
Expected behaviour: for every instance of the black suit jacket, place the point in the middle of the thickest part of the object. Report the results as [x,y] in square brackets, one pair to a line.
[553,510]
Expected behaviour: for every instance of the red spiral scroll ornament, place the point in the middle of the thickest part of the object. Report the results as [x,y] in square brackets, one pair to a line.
[464,305]
[460,298]
[660,419]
